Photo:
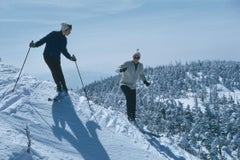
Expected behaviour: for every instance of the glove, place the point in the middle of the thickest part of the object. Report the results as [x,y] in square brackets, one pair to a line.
[32,44]
[123,69]
[73,58]
[146,83]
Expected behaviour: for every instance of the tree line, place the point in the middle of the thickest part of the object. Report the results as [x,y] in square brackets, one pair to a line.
[208,127]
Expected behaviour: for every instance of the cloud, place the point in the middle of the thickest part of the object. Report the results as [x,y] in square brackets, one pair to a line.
[47,11]
[111,7]
[108,6]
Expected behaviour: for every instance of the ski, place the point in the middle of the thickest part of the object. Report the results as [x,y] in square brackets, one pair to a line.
[57,98]
[146,132]
[54,100]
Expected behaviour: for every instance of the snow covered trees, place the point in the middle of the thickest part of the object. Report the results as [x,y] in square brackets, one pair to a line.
[207,126]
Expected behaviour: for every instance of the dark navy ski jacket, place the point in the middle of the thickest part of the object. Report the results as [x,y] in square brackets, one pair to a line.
[56,44]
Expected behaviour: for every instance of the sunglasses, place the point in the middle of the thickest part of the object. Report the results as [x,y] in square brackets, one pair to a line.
[136,57]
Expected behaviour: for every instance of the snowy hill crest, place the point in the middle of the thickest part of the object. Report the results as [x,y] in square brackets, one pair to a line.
[68,129]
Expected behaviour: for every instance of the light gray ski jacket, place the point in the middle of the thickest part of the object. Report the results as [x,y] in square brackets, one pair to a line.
[131,75]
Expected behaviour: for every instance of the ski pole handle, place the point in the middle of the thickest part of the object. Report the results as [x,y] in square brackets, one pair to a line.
[73,58]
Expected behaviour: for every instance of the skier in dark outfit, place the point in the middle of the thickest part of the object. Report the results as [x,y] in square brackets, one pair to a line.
[131,72]
[56,43]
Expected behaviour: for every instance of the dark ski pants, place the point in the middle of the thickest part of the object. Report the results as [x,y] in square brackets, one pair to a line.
[57,74]
[130,95]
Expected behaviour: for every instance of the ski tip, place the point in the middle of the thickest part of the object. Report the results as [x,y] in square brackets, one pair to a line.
[53,100]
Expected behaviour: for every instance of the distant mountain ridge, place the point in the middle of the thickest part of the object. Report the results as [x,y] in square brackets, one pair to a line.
[175,81]
[72,79]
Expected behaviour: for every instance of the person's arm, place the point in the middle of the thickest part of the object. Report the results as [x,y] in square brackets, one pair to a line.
[142,77]
[42,40]
[66,53]
[122,68]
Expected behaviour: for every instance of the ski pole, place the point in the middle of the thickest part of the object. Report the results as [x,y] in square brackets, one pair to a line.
[21,68]
[82,83]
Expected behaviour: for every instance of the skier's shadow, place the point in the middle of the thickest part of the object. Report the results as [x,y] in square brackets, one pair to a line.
[83,139]
[163,149]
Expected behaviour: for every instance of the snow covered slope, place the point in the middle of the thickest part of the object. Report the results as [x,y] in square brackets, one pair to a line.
[68,129]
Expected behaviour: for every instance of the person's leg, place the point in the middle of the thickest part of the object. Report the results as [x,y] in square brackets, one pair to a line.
[132,102]
[129,101]
[56,70]
[60,77]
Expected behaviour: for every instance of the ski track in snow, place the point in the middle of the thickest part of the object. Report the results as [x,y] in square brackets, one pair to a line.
[69,129]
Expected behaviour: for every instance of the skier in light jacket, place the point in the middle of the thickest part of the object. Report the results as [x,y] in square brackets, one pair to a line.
[131,71]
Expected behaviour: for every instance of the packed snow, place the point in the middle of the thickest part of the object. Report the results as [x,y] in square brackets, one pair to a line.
[70,129]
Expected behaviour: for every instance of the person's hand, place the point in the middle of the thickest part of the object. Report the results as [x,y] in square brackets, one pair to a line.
[32,44]
[146,83]
[73,58]
[123,69]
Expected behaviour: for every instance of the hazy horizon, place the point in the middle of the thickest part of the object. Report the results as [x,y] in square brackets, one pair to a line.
[107,33]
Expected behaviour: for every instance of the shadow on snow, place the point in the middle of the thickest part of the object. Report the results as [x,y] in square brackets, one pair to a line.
[83,139]
[163,149]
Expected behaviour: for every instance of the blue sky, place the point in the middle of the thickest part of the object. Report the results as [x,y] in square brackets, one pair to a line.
[106,33]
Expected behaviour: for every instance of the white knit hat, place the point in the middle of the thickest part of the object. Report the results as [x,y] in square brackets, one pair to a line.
[137,54]
[65,26]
